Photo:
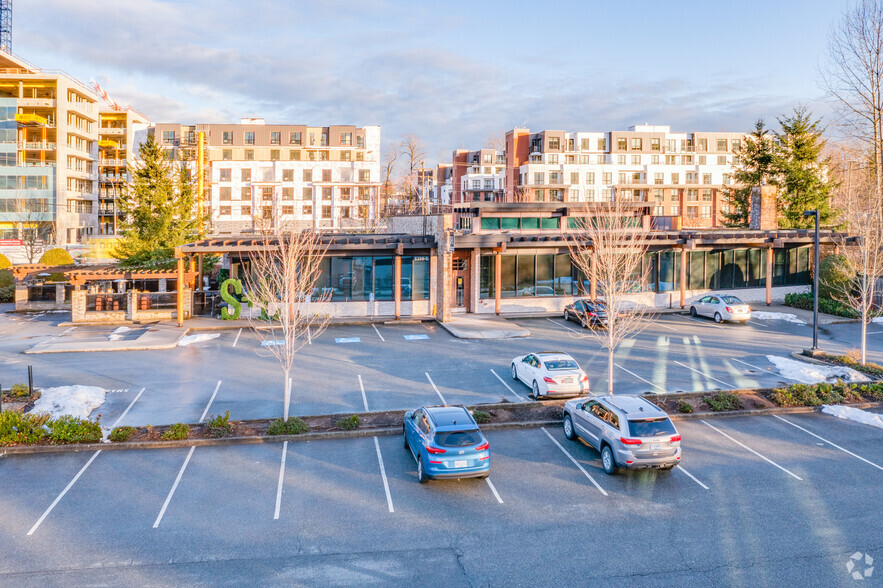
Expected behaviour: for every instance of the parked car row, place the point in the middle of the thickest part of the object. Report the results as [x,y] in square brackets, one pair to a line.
[720,307]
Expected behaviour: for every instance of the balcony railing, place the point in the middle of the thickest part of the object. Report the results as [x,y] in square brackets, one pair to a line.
[37,164]
[37,146]
[112,162]
[112,131]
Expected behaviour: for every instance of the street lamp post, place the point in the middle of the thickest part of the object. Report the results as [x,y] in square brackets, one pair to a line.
[815,285]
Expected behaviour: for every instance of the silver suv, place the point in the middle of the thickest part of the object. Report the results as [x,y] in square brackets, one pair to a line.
[628,431]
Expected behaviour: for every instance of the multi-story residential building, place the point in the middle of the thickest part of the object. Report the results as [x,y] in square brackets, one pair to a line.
[478,176]
[117,142]
[48,153]
[257,174]
[444,174]
[681,174]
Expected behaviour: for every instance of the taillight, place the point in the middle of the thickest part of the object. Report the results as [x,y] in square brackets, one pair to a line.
[483,446]
[592,314]
[627,441]
[430,449]
[585,378]
[548,380]
[729,309]
[675,439]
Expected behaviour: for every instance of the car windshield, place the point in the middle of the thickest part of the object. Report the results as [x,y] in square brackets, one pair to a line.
[457,438]
[561,364]
[651,428]
[731,300]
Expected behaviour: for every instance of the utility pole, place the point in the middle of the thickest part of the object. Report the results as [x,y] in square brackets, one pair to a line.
[815,286]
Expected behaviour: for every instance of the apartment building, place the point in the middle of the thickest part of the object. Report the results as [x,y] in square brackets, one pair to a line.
[257,174]
[117,149]
[48,152]
[478,176]
[682,175]
[444,173]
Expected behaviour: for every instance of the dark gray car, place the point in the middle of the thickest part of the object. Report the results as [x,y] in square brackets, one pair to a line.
[628,431]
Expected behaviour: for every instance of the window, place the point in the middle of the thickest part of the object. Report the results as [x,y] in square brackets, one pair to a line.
[539,195]
[345,193]
[308,175]
[636,160]
[287,193]
[323,156]
[275,137]
[620,159]
[692,195]
[553,143]
[675,196]
[726,181]
[267,193]
[248,137]
[607,195]
[607,178]
[326,175]
[706,212]
[574,178]
[324,141]
[287,175]
[346,155]
[622,177]
[706,178]
[659,210]
[654,144]
[245,210]
[488,184]
[168,137]
[584,159]
[312,138]
[360,156]
[267,212]
[249,155]
[702,145]
[654,159]
[245,193]
[637,144]
[584,144]
[590,194]
[364,193]
[691,177]
[687,160]
[225,193]
[622,144]
[706,195]
[308,210]
[288,210]
[722,160]
[658,178]
[225,210]
[227,154]
[225,174]
[539,178]
[590,177]
[602,144]
[721,144]
[364,175]
[307,193]
[294,138]
[675,210]
[692,212]
[675,178]
[294,154]
[556,195]
[735,145]
[326,192]
[326,212]
[246,175]
[360,141]
[658,195]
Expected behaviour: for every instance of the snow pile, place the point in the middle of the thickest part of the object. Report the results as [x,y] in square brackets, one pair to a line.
[853,414]
[118,333]
[190,339]
[78,401]
[776,316]
[810,373]
[877,319]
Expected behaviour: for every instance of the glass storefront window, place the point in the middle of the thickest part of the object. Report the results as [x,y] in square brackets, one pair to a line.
[564,283]
[525,275]
[545,276]
[507,276]
[511,223]
[529,224]
[549,223]
[490,223]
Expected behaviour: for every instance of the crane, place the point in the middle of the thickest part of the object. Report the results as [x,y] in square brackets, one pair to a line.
[6,25]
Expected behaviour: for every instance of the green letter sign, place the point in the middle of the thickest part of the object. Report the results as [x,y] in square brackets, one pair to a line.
[233,308]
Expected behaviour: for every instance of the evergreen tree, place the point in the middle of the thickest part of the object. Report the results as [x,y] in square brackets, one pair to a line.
[159,207]
[805,181]
[756,161]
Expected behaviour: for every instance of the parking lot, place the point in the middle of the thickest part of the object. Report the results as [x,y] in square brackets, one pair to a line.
[353,368]
[344,512]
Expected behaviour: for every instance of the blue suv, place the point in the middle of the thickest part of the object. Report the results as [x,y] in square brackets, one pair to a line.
[446,442]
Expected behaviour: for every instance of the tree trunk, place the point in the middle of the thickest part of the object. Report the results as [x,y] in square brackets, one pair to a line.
[287,396]
[610,370]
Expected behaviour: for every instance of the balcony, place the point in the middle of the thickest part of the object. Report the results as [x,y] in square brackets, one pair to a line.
[116,131]
[37,102]
[37,146]
[37,164]
[112,179]
[112,162]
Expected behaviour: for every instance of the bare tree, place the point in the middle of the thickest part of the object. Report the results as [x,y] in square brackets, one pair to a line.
[281,282]
[864,220]
[522,194]
[854,79]
[413,152]
[608,247]
[496,141]
[34,230]
[389,168]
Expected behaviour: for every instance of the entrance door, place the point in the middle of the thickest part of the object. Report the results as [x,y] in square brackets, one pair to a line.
[461,280]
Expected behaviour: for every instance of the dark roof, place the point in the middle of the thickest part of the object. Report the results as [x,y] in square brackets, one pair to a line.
[335,242]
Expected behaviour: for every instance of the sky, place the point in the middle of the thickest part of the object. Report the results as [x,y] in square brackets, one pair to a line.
[454,74]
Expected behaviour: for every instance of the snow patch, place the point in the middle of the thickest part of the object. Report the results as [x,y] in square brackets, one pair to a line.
[854,414]
[877,319]
[776,316]
[118,333]
[810,373]
[190,339]
[78,401]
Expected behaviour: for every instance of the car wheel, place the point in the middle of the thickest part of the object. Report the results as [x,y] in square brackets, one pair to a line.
[693,311]
[566,315]
[536,391]
[514,372]
[421,473]
[607,461]
[568,428]
[405,436]
[717,317]
[582,323]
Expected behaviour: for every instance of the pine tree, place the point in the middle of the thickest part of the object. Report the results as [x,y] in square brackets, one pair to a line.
[805,181]
[159,208]
[756,160]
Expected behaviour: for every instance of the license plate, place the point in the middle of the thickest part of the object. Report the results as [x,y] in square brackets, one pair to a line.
[460,464]
[655,446]
[567,381]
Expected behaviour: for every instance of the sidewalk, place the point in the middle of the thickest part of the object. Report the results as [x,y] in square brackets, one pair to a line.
[804,315]
[473,327]
[139,338]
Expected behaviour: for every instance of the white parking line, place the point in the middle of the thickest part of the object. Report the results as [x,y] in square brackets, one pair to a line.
[639,377]
[281,477]
[125,412]
[759,324]
[494,490]
[763,457]
[383,475]
[763,370]
[378,332]
[364,398]
[689,475]
[237,337]
[508,387]
[63,492]
[704,322]
[210,400]
[731,386]
[309,335]
[564,327]
[436,388]
[829,442]
[172,491]
[659,324]
[576,463]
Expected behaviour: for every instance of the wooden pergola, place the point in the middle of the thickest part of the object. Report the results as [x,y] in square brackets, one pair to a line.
[81,276]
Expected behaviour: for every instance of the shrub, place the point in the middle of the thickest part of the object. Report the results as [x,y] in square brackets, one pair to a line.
[121,434]
[350,423]
[826,305]
[7,293]
[684,407]
[855,363]
[71,429]
[293,426]
[56,256]
[6,277]
[874,390]
[21,429]
[4,262]
[811,394]
[220,425]
[723,401]
[19,391]
[481,417]
[176,432]
[835,274]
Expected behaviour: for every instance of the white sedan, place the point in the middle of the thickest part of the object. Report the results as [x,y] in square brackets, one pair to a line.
[721,307]
[550,373]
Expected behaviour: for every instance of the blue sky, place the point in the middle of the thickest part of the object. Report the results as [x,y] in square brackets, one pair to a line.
[452,73]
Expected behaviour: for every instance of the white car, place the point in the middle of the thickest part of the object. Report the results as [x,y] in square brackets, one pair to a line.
[721,307]
[550,373]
